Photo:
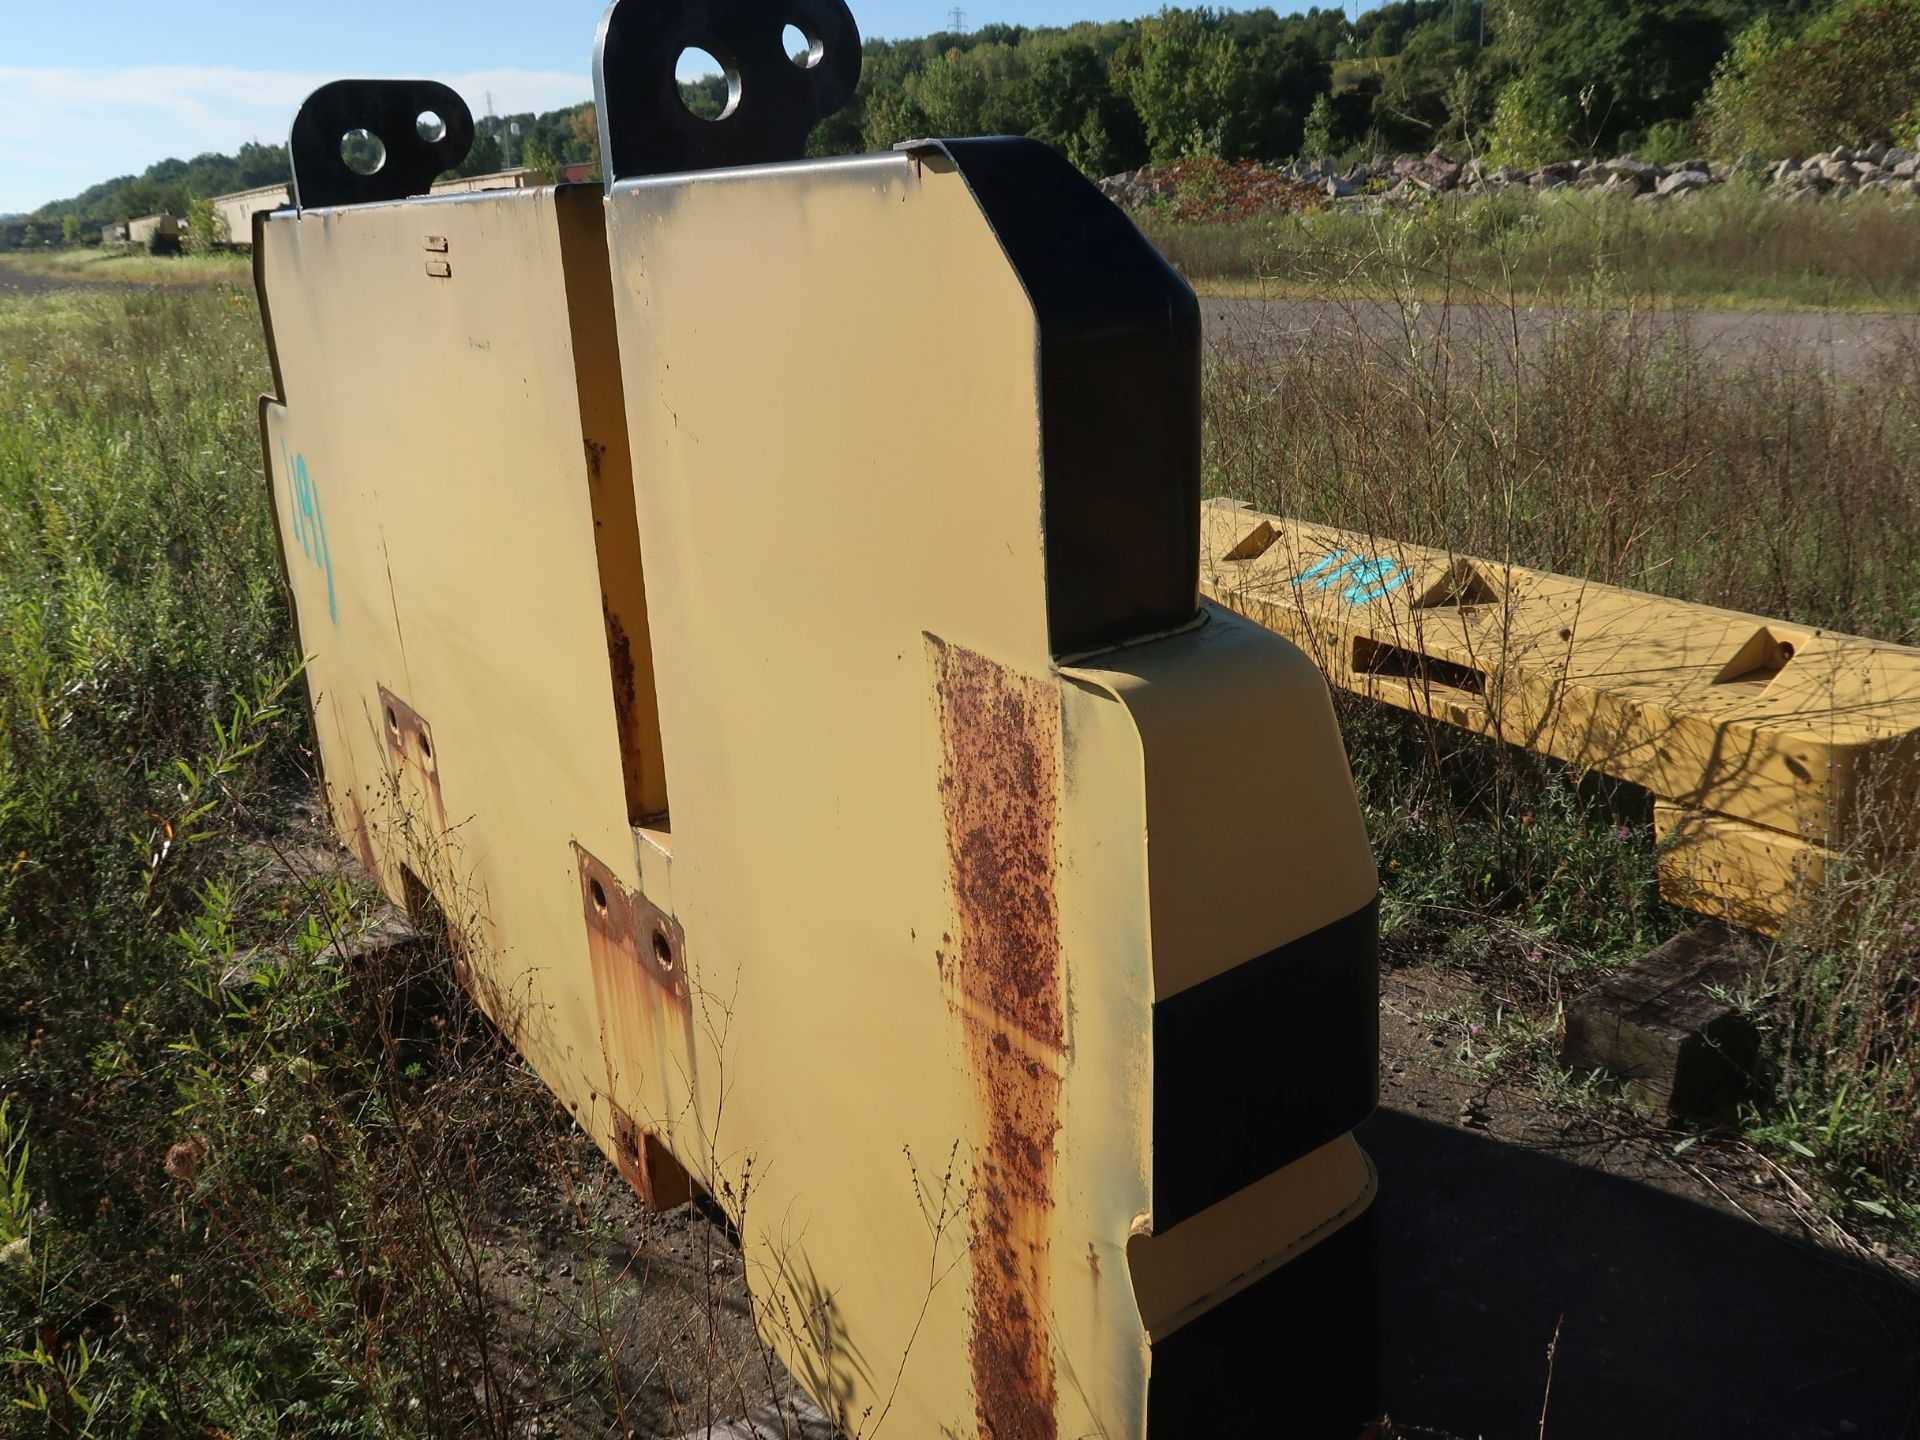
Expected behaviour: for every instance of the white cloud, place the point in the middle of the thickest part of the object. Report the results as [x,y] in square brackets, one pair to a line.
[64,128]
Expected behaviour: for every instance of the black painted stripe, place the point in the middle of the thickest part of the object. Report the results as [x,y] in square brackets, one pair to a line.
[1119,396]
[1295,1355]
[1263,1063]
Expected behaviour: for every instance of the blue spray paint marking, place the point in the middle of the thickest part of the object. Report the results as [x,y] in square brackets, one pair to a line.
[310,525]
[1367,579]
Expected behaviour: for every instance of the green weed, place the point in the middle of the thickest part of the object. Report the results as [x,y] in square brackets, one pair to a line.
[1734,246]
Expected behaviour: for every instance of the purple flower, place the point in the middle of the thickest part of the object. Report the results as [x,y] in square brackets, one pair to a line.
[1622,833]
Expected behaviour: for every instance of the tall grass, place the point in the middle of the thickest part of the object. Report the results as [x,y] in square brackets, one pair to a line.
[1734,246]
[258,1179]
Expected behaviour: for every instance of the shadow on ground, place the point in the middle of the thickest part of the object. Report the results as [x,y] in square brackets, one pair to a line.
[1676,1318]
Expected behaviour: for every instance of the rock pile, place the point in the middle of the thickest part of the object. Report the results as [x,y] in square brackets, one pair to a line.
[1286,184]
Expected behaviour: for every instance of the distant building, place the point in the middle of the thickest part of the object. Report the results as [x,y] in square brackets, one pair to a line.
[114,232]
[518,178]
[238,209]
[142,231]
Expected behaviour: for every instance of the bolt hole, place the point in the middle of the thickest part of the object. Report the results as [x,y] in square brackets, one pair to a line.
[801,47]
[393,720]
[426,746]
[362,152]
[430,126]
[709,87]
[662,950]
[599,896]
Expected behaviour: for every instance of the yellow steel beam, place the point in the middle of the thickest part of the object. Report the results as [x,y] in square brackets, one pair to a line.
[1769,745]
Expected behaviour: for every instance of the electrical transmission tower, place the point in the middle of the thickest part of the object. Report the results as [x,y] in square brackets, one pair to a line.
[957,20]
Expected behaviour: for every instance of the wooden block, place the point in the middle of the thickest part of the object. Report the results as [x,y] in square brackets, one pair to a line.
[1677,1051]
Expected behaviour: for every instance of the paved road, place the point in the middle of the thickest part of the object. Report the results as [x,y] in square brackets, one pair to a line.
[1848,345]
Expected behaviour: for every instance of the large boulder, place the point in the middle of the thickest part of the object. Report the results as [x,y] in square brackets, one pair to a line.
[1682,182]
[1641,175]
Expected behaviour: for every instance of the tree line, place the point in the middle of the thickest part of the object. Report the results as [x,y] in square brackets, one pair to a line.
[1522,80]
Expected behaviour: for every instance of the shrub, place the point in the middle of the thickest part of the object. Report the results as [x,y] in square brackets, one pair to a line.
[206,227]
[1852,76]
[1531,125]
[1666,144]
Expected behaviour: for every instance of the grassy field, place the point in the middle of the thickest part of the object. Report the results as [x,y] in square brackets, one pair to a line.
[1730,248]
[118,264]
[251,1187]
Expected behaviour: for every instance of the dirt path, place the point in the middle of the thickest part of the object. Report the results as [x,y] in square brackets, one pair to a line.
[15,281]
[1848,345]
[1688,1298]
[27,282]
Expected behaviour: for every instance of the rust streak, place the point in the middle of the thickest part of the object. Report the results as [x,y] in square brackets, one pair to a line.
[362,837]
[1000,788]
[626,708]
[641,990]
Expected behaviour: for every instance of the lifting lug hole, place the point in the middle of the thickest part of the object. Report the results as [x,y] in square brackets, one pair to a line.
[599,896]
[802,46]
[362,152]
[430,127]
[662,949]
[695,69]
[393,721]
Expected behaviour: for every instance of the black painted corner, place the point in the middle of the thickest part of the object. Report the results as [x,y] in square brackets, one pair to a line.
[1295,1356]
[1119,396]
[1263,1063]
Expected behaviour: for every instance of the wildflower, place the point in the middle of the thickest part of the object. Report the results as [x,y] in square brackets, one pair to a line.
[184,1157]
[1622,833]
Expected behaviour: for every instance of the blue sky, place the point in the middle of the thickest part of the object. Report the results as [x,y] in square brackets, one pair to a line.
[90,89]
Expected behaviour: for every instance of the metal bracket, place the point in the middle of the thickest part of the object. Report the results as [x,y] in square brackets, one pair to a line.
[410,744]
[773,102]
[422,127]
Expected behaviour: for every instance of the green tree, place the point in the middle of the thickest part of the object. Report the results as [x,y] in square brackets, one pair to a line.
[891,116]
[1190,84]
[1316,142]
[1643,61]
[206,228]
[484,157]
[952,94]
[1418,99]
[1072,106]
[535,155]
[70,231]
[30,237]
